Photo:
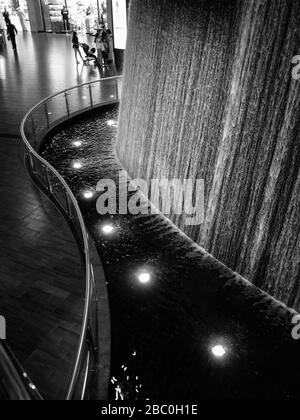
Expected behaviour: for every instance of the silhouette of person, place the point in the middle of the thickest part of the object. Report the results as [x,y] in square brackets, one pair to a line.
[12,32]
[6,17]
[76,45]
[65,16]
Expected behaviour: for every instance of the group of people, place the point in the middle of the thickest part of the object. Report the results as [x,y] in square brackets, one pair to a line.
[104,48]
[11,30]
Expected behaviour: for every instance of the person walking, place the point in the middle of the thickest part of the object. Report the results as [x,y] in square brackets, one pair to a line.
[76,45]
[6,17]
[12,32]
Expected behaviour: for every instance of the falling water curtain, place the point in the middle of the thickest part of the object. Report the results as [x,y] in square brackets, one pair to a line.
[208,93]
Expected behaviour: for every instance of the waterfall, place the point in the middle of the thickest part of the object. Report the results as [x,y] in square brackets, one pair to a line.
[208,93]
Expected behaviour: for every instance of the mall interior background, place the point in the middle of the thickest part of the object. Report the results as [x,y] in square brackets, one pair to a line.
[85,16]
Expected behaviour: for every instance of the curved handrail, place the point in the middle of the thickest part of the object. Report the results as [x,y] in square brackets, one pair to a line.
[14,381]
[76,87]
[32,153]
[86,248]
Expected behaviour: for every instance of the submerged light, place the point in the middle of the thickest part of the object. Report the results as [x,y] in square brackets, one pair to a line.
[108,229]
[77,165]
[111,123]
[88,194]
[77,143]
[144,277]
[218,351]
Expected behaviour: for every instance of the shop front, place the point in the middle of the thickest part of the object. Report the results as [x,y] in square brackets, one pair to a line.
[84,16]
[61,16]
[119,17]
[119,13]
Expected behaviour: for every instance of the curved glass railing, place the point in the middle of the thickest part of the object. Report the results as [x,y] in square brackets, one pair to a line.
[37,123]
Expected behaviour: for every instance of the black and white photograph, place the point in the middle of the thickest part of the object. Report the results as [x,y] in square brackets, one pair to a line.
[150,203]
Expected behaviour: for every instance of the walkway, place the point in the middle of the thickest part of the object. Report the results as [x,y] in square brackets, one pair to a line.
[44,65]
[41,277]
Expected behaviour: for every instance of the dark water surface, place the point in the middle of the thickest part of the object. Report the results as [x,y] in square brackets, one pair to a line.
[196,330]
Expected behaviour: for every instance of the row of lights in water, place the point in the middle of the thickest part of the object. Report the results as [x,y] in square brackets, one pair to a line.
[144,277]
[107,229]
[78,165]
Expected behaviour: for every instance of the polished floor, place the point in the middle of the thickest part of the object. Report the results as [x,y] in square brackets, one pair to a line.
[41,276]
[43,65]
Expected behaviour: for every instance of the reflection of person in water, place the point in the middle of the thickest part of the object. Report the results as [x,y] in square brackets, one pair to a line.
[65,16]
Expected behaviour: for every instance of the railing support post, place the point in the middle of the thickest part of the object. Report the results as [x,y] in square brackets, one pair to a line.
[47,115]
[91,96]
[69,206]
[33,131]
[49,185]
[31,162]
[117,90]
[67,104]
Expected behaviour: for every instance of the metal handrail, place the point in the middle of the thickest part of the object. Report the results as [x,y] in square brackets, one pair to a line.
[86,250]
[85,236]
[14,381]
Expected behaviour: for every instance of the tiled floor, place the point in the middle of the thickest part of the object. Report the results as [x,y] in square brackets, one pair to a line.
[41,277]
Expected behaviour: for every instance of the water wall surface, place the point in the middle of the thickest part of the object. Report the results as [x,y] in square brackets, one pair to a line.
[208,93]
